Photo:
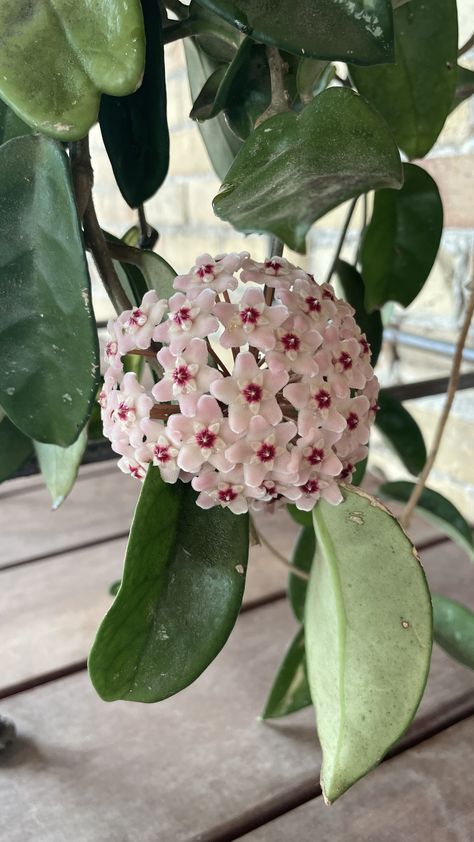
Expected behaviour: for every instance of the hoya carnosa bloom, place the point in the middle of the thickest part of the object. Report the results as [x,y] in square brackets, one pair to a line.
[265,393]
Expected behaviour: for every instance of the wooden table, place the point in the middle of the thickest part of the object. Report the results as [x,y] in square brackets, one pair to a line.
[199,766]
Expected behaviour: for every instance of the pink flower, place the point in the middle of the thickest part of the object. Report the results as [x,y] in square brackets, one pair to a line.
[250,391]
[316,487]
[140,322]
[211,273]
[316,302]
[188,318]
[251,320]
[202,438]
[186,377]
[226,490]
[318,405]
[159,449]
[128,464]
[315,453]
[127,407]
[356,413]
[275,272]
[344,361]
[263,449]
[295,347]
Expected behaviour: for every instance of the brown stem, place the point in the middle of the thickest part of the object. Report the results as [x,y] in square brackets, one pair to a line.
[217,359]
[467,46]
[82,174]
[162,411]
[258,537]
[96,242]
[453,384]
[279,102]
[342,237]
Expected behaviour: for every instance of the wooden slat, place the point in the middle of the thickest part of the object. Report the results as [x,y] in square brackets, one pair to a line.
[424,794]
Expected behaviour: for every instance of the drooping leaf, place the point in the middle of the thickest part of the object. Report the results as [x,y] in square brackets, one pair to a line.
[49,359]
[302,559]
[368,632]
[415,94]
[402,240]
[135,127]
[290,690]
[401,431]
[15,448]
[141,270]
[453,629]
[436,509]
[295,168]
[369,323]
[180,595]
[217,38]
[220,141]
[59,466]
[10,124]
[308,73]
[57,58]
[360,32]
[464,85]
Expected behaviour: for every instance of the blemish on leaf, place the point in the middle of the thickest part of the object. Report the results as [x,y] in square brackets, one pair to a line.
[240,569]
[356,517]
[405,624]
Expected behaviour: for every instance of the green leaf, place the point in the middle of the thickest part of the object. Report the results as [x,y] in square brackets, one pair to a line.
[10,124]
[369,323]
[15,448]
[140,270]
[415,94]
[220,141]
[302,559]
[368,632]
[59,466]
[57,58]
[402,240]
[135,128]
[464,85]
[181,592]
[401,431]
[360,32]
[453,629]
[436,509]
[290,690]
[359,472]
[49,356]
[303,518]
[218,39]
[291,156]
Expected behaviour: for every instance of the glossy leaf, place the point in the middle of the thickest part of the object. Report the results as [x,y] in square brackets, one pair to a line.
[401,431]
[10,124]
[135,127]
[217,38]
[49,359]
[369,323]
[141,270]
[415,94]
[302,559]
[436,509]
[15,448]
[453,629]
[56,59]
[290,690]
[356,31]
[291,156]
[59,466]
[368,632]
[180,595]
[402,240]
[220,141]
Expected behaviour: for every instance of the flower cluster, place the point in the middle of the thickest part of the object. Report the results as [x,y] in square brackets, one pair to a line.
[264,394]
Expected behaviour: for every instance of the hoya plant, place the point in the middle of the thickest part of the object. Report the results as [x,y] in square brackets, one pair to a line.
[240,386]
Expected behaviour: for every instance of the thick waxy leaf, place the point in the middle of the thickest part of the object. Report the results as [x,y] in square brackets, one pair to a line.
[368,636]
[401,431]
[415,94]
[359,31]
[215,36]
[402,240]
[15,448]
[290,690]
[59,466]
[49,359]
[10,124]
[369,323]
[134,127]
[453,629]
[56,59]
[141,270]
[302,558]
[180,595]
[220,141]
[294,168]
[436,509]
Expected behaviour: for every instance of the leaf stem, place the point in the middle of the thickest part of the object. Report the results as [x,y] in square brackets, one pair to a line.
[260,539]
[452,386]
[215,356]
[276,247]
[467,46]
[342,237]
[82,174]
[97,243]
[148,235]
[279,102]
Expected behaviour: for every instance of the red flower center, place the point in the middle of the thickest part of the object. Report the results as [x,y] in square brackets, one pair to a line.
[123,411]
[137,318]
[347,471]
[161,453]
[181,375]
[316,456]
[249,316]
[345,360]
[290,342]
[328,294]
[310,487]
[252,393]
[364,345]
[273,264]
[314,306]
[323,399]
[111,348]
[352,420]
[226,495]
[136,471]
[181,316]
[205,439]
[266,452]
[206,269]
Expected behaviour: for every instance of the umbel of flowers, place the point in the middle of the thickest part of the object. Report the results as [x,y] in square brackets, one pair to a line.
[264,390]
